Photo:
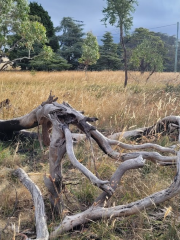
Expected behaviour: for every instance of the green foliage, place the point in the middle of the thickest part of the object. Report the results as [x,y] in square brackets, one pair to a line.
[169,43]
[45,19]
[162,41]
[70,40]
[38,11]
[49,61]
[32,32]
[90,50]
[14,19]
[16,28]
[118,12]
[12,15]
[148,56]
[109,58]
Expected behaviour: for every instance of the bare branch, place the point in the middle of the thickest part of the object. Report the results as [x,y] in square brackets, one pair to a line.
[96,212]
[142,146]
[152,156]
[116,177]
[69,147]
[41,226]
[11,61]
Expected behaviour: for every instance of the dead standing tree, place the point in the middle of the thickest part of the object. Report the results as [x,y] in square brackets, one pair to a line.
[55,119]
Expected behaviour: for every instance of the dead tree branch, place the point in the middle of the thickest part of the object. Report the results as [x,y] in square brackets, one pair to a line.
[55,119]
[96,212]
[41,226]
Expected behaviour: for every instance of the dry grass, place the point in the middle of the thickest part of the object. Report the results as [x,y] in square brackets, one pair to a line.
[99,94]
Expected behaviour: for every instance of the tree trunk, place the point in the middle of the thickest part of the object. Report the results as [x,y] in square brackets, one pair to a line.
[125,55]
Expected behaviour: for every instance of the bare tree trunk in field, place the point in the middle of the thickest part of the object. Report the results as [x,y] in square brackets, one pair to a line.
[55,119]
[125,55]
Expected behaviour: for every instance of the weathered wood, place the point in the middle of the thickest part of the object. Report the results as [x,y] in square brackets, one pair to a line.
[28,121]
[164,126]
[152,156]
[142,146]
[96,212]
[116,178]
[55,119]
[97,182]
[40,216]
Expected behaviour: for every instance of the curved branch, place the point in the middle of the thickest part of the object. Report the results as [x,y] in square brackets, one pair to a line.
[152,156]
[69,147]
[30,120]
[116,177]
[142,146]
[41,226]
[14,60]
[96,212]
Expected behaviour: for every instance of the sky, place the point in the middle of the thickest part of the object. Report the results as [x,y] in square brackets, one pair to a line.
[156,15]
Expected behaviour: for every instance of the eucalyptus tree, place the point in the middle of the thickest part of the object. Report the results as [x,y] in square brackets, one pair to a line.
[15,21]
[90,51]
[149,52]
[118,13]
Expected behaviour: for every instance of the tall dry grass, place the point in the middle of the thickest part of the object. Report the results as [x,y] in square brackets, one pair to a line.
[99,94]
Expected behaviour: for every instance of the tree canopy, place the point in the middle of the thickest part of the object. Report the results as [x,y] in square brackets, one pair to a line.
[109,58]
[16,28]
[148,55]
[43,17]
[90,50]
[26,29]
[118,13]
[71,40]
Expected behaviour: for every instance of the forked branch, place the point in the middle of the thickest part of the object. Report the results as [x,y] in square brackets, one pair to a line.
[96,212]
[55,119]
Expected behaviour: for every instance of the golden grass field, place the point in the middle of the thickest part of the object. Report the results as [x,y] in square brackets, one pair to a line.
[99,94]
[102,95]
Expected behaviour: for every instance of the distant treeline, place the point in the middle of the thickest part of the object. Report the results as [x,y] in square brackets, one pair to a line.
[66,41]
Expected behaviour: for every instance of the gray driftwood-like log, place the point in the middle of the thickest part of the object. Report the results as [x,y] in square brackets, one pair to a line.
[40,216]
[55,119]
[98,211]
[166,125]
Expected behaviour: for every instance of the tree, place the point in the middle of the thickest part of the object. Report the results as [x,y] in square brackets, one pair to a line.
[169,45]
[54,63]
[109,58]
[149,54]
[71,40]
[118,12]
[90,51]
[44,18]
[14,21]
[167,52]
[38,13]
[57,117]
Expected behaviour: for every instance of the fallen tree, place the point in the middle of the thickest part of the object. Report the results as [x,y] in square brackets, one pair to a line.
[55,119]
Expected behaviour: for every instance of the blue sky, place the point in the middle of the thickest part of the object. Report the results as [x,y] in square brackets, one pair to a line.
[157,15]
